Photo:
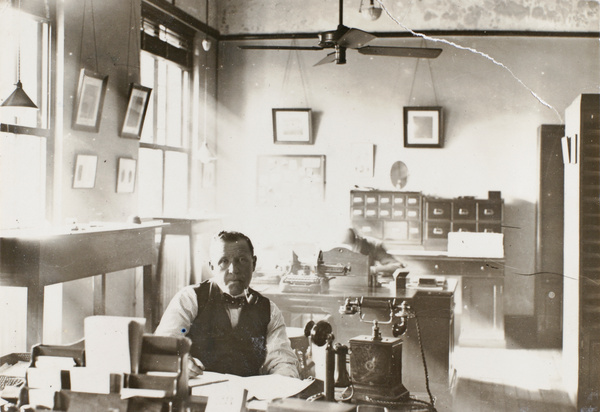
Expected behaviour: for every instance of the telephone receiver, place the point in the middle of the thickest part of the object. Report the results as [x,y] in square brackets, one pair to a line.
[321,334]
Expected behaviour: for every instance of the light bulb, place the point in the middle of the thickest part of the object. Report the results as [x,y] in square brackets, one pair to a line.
[371,12]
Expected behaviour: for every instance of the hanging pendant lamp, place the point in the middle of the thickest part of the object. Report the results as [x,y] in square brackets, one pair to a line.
[19,98]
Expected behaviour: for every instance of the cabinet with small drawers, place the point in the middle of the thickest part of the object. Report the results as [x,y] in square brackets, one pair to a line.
[463,214]
[411,218]
[387,215]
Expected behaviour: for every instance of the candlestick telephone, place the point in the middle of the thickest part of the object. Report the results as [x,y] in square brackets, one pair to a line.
[375,375]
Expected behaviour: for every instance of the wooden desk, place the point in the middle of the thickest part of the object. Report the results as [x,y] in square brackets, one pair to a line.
[479,297]
[38,258]
[435,313]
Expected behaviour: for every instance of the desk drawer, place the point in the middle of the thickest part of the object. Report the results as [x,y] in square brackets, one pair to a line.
[439,209]
[489,210]
[437,230]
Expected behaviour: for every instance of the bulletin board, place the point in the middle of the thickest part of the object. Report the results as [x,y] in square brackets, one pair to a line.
[284,180]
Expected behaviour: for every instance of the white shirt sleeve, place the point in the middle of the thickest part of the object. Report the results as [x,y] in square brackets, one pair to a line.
[281,358]
[180,313]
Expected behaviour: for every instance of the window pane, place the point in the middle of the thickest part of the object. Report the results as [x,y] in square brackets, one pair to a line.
[176,183]
[161,101]
[25,37]
[174,109]
[150,163]
[23,188]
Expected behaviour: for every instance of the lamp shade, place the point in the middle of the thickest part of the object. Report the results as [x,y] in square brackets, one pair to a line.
[19,98]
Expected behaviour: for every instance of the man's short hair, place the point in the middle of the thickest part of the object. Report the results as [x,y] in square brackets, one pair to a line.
[233,236]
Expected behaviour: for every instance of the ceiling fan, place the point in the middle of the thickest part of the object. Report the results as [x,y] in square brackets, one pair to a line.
[349,38]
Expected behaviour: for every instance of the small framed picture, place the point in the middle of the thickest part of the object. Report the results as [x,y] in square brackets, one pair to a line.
[126,175]
[84,176]
[91,90]
[139,97]
[292,126]
[423,127]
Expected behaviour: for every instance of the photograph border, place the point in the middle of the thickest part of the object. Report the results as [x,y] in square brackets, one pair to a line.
[126,165]
[300,120]
[435,113]
[135,110]
[91,90]
[85,168]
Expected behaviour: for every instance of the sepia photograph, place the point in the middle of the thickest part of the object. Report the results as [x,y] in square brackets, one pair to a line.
[333,205]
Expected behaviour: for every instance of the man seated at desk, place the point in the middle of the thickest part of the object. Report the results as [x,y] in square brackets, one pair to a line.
[381,260]
[233,328]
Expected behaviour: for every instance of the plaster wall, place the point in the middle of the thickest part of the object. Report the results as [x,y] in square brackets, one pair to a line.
[103,42]
[491,116]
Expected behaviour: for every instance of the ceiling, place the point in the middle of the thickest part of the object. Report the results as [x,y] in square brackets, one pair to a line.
[293,16]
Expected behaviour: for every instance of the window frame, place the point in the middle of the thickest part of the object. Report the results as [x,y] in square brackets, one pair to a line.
[161,47]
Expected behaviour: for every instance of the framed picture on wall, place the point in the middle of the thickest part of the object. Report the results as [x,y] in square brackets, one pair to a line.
[126,175]
[292,126]
[423,127]
[139,97]
[84,175]
[87,112]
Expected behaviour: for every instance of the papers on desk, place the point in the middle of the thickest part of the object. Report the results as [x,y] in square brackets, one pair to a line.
[262,387]
[113,343]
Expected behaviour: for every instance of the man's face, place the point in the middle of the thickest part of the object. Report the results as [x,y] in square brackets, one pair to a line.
[232,265]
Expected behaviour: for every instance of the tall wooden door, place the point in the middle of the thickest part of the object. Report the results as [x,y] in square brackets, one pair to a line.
[581,331]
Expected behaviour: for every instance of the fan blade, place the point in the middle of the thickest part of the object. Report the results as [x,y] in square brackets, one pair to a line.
[251,47]
[425,53]
[330,58]
[355,38]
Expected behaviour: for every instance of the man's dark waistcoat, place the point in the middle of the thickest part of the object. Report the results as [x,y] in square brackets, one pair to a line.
[241,350]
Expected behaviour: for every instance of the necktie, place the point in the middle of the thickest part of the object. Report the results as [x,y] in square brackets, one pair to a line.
[235,302]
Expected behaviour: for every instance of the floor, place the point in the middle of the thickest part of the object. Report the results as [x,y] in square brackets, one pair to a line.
[506,380]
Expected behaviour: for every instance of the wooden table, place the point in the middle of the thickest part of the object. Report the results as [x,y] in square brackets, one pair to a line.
[41,257]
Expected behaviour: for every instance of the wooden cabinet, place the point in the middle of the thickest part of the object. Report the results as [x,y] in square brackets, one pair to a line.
[479,298]
[393,216]
[581,287]
[410,218]
[463,214]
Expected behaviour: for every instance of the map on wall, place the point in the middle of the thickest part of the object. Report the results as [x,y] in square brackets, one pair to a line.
[284,180]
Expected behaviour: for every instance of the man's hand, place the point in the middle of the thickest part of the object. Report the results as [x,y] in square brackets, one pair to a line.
[195,367]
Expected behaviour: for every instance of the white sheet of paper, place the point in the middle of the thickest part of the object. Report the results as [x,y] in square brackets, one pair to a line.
[90,380]
[262,387]
[107,342]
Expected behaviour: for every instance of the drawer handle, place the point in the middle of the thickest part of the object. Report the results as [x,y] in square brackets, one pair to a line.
[437,211]
[488,212]
[438,231]
[463,212]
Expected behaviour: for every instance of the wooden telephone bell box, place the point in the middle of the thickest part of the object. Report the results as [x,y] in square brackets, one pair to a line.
[376,368]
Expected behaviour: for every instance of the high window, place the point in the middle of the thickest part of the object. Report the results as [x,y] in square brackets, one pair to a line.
[24,133]
[164,156]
